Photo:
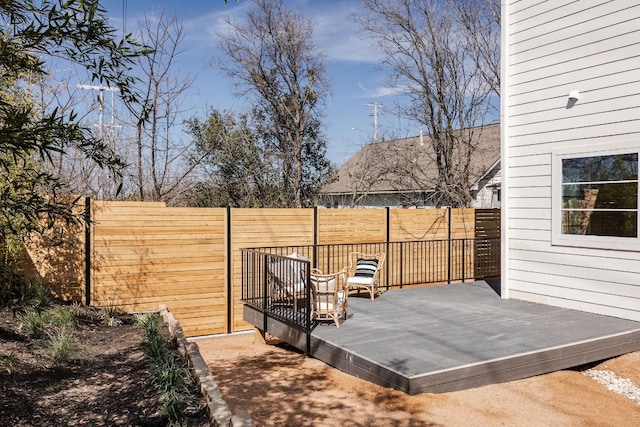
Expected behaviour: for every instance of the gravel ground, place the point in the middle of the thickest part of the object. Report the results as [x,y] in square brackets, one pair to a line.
[611,381]
[280,387]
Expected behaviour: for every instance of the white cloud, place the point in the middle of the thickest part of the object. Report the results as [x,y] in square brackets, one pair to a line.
[382,91]
[337,35]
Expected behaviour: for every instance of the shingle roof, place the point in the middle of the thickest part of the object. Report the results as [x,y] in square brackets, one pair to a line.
[408,164]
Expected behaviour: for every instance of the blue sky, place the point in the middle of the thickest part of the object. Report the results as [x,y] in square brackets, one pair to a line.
[352,64]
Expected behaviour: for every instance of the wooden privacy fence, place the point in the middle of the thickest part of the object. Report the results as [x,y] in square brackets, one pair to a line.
[137,255]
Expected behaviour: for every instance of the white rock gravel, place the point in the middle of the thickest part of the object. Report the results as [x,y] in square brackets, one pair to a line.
[615,383]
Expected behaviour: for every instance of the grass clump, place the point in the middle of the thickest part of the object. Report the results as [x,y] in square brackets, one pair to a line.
[7,362]
[110,315]
[171,378]
[61,344]
[34,323]
[60,316]
[57,325]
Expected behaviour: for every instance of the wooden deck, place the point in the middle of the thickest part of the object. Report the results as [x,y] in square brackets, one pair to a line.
[453,337]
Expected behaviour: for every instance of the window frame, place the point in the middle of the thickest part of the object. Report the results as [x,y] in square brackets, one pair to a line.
[589,241]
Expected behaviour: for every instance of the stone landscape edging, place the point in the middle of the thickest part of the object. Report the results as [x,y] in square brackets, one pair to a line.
[217,407]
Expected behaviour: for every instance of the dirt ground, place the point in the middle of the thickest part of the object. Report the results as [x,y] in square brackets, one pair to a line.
[281,387]
[107,382]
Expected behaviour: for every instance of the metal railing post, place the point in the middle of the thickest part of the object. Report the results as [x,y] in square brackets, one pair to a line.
[308,311]
[264,293]
[87,251]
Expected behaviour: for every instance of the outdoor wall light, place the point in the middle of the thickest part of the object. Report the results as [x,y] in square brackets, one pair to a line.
[574,95]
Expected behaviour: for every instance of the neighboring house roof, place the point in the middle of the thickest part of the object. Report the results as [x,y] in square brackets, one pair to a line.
[408,165]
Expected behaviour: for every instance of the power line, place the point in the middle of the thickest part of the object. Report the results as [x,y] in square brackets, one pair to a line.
[375,106]
[101,89]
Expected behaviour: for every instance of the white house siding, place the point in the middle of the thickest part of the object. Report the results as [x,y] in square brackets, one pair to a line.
[486,188]
[549,49]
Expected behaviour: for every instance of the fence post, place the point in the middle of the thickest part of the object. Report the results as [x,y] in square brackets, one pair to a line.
[449,245]
[464,261]
[388,237]
[87,251]
[308,310]
[229,256]
[315,237]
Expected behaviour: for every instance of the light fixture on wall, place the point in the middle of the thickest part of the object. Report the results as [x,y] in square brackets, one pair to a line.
[574,95]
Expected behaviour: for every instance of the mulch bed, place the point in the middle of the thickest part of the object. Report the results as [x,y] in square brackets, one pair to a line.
[106,383]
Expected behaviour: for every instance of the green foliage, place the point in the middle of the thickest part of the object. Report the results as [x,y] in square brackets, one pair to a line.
[7,361]
[60,316]
[32,197]
[33,323]
[243,167]
[271,57]
[61,344]
[171,377]
[21,293]
[38,322]
[110,315]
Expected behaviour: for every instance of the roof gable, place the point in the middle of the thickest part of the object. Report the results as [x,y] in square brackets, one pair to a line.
[409,165]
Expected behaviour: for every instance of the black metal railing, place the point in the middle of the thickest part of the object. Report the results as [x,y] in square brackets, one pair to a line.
[273,277]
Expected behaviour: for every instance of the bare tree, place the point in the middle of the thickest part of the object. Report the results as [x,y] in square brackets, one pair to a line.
[271,57]
[481,22]
[160,169]
[424,45]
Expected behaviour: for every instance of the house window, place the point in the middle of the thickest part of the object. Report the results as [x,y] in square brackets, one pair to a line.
[495,197]
[595,201]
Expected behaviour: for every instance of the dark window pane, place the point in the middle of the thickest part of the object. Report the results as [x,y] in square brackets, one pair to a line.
[600,223]
[617,167]
[600,196]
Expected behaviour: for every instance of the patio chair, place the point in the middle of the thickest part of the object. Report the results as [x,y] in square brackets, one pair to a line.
[286,278]
[363,272]
[328,297]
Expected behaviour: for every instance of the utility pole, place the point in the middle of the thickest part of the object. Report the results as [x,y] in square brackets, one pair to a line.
[375,106]
[101,89]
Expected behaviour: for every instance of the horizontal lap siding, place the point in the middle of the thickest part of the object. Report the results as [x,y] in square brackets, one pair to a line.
[146,254]
[552,48]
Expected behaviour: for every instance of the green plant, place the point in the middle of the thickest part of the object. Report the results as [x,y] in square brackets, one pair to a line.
[59,316]
[7,361]
[110,315]
[61,344]
[75,309]
[33,322]
[171,377]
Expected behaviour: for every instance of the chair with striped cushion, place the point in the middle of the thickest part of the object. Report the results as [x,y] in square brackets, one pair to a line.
[363,272]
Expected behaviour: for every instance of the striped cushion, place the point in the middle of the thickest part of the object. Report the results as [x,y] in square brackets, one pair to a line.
[366,267]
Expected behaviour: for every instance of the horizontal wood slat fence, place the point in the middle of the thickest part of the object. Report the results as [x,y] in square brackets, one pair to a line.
[137,255]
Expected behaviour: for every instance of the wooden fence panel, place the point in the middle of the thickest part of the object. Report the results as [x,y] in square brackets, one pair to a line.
[337,226]
[145,254]
[418,224]
[260,228]
[57,258]
[487,257]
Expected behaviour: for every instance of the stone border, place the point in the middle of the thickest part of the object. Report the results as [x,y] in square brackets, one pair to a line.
[217,407]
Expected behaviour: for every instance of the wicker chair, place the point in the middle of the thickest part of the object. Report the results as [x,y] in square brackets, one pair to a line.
[328,297]
[363,272]
[286,276]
